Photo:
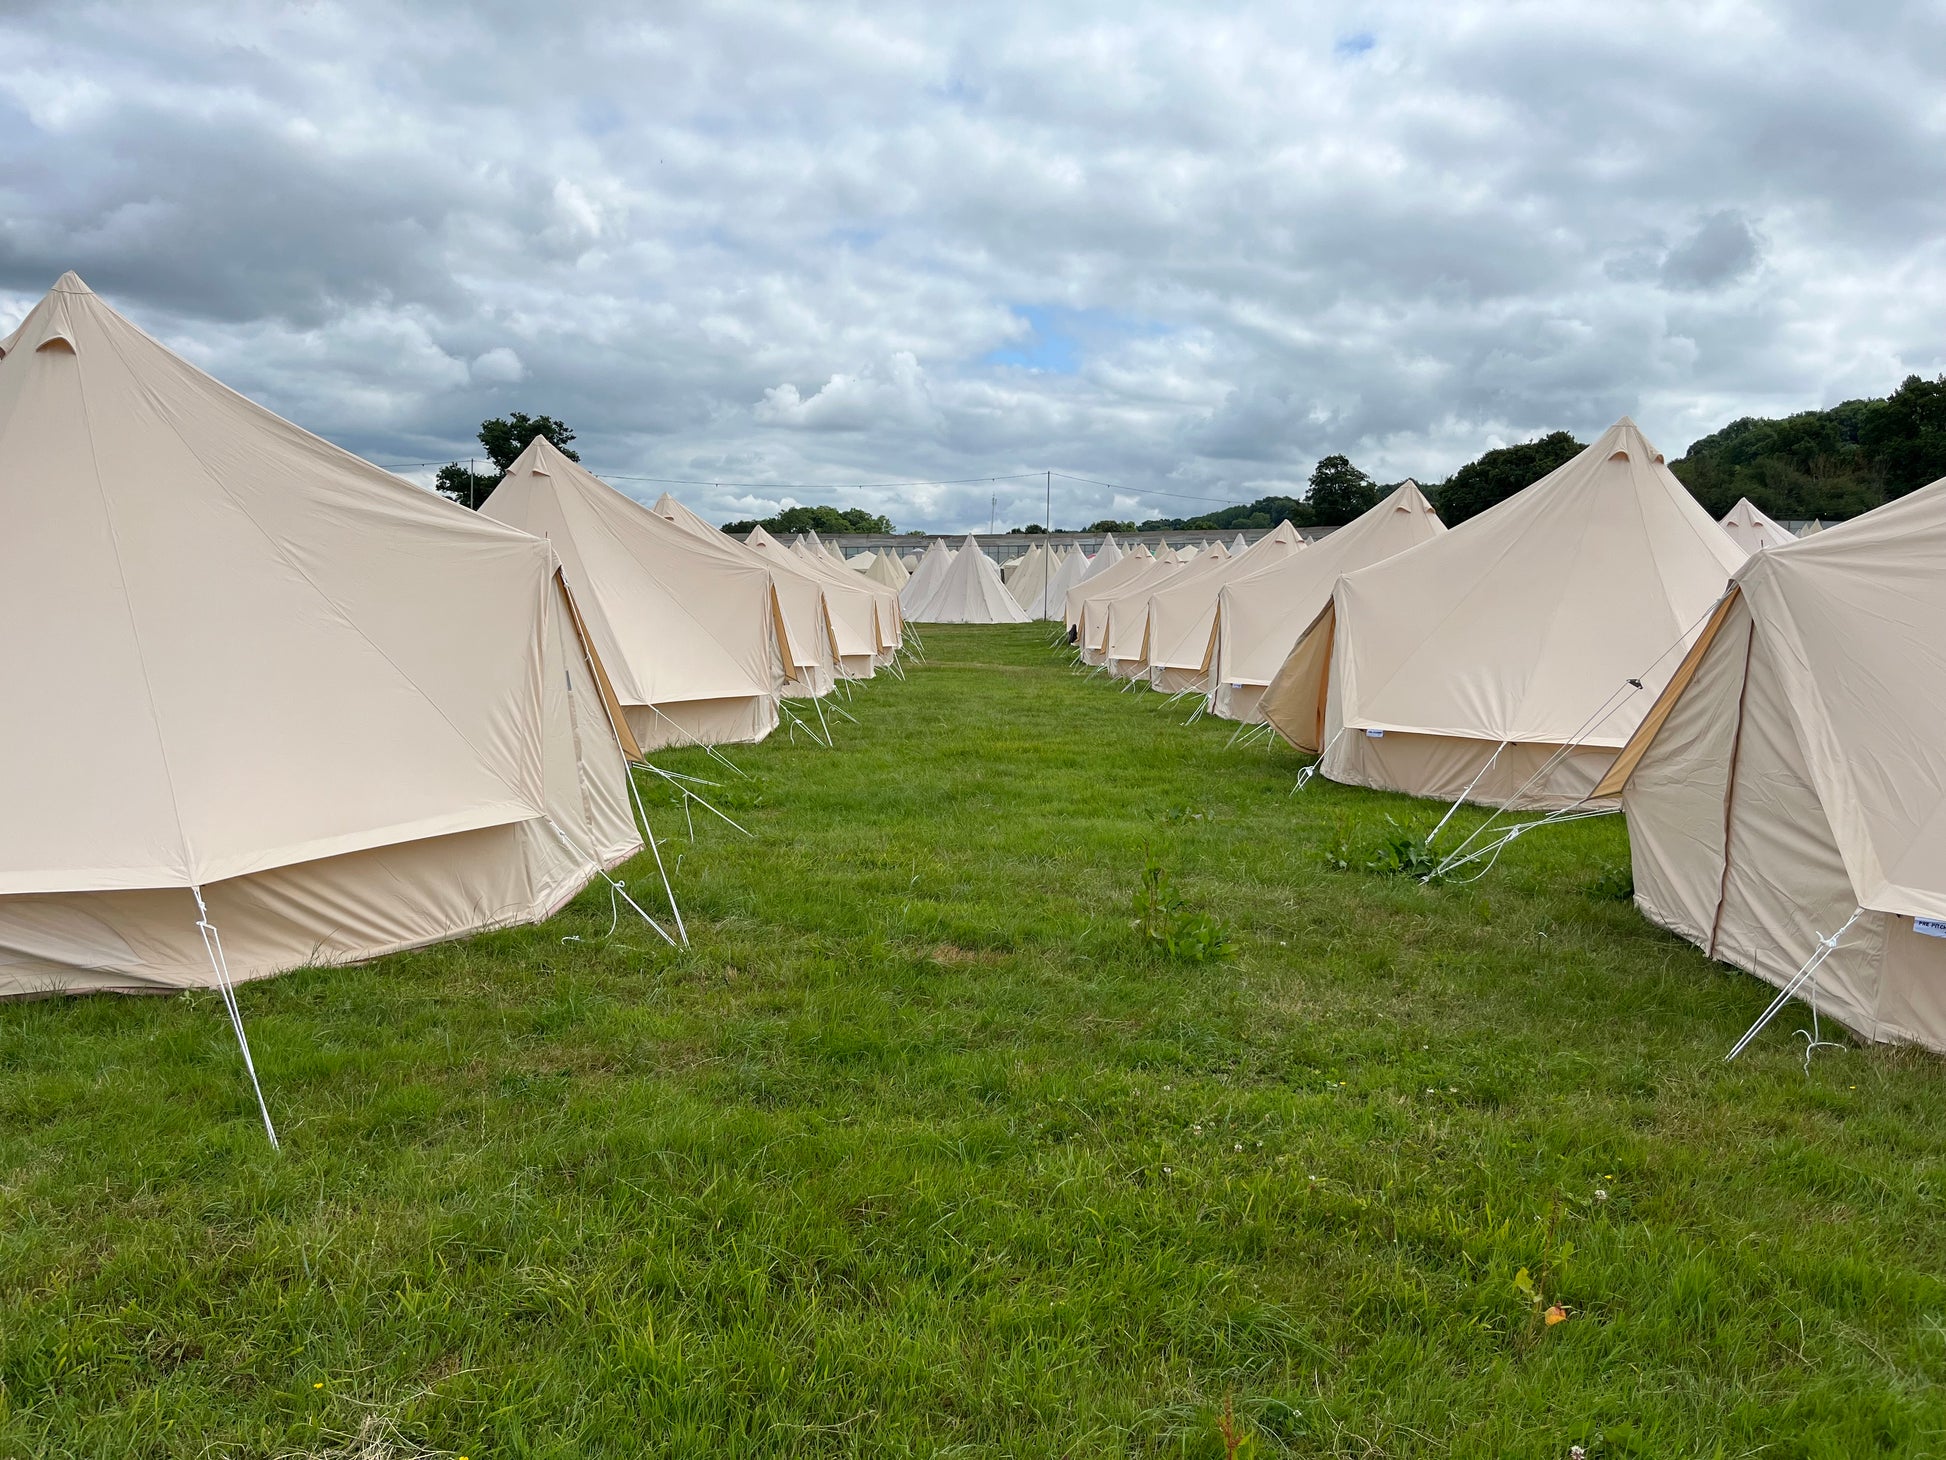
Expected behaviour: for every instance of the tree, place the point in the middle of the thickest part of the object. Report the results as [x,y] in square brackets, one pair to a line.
[465,486]
[1339,492]
[818,519]
[1497,474]
[504,439]
[1109,524]
[1032,529]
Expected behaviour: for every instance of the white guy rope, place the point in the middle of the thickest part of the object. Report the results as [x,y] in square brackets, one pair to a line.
[1807,974]
[1304,776]
[616,887]
[1434,833]
[213,946]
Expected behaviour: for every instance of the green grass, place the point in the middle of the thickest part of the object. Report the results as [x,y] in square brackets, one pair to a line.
[919,1149]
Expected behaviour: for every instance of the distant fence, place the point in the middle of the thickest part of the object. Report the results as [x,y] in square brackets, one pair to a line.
[1001,546]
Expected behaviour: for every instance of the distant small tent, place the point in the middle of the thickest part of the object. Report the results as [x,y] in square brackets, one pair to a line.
[886,568]
[1810,527]
[1261,614]
[1508,660]
[1131,615]
[970,592]
[690,643]
[1790,784]
[1099,585]
[1750,529]
[1182,615]
[1106,556]
[802,631]
[1032,584]
[1241,545]
[925,578]
[857,598]
[1070,572]
[849,616]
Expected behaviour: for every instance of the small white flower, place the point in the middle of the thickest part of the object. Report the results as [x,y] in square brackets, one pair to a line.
[1239,1145]
[1600,1195]
[1575,1452]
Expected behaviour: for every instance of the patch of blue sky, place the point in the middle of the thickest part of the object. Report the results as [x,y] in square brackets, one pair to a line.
[599,117]
[856,239]
[1355,44]
[1057,338]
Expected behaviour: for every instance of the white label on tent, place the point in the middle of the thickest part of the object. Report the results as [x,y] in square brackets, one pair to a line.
[1931,927]
[1374,734]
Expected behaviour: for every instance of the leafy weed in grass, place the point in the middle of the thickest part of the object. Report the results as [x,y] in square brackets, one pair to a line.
[920,1150]
[1165,923]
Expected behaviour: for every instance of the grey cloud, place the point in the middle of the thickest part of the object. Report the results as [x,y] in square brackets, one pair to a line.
[1721,250]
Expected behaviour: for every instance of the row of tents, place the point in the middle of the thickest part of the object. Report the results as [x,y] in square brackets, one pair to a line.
[1766,709]
[272,706]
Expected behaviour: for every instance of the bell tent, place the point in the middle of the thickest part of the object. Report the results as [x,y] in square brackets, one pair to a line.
[1261,614]
[1182,616]
[1750,529]
[1508,660]
[1790,784]
[970,592]
[690,644]
[288,708]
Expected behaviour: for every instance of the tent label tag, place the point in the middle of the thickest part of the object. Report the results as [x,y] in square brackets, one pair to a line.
[1374,734]
[1931,927]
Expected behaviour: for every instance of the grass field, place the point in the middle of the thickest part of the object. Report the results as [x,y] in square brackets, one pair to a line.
[918,1150]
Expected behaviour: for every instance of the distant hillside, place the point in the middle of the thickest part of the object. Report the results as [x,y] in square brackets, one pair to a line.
[1829,464]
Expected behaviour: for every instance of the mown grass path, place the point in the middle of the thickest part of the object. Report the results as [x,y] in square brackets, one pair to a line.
[916,1150]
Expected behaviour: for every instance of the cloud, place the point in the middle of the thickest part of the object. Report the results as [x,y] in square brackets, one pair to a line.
[498,366]
[1184,252]
[1721,250]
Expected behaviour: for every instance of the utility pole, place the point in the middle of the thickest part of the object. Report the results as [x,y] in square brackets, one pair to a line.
[1047,540]
[993,512]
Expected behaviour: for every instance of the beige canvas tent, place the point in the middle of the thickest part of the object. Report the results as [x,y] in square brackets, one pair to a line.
[690,643]
[969,591]
[880,614]
[1750,529]
[1261,614]
[1032,584]
[1108,634]
[932,567]
[1130,615]
[1069,573]
[850,619]
[286,709]
[1106,556]
[1791,780]
[885,568]
[1095,585]
[1508,660]
[1182,615]
[804,639]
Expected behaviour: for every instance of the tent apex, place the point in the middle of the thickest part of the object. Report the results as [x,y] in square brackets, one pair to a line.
[70,283]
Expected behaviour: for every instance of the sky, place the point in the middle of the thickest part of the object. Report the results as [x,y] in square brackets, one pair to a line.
[780,254]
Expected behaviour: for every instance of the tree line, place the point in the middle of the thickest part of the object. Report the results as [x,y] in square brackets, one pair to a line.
[1830,464]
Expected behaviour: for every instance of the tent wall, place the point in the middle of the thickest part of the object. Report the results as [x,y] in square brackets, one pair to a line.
[347,908]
